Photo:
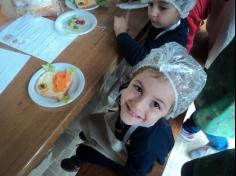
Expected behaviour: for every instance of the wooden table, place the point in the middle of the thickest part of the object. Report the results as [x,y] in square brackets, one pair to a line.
[27,131]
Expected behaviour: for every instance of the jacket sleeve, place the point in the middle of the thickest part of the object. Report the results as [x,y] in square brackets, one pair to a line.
[133,52]
[130,49]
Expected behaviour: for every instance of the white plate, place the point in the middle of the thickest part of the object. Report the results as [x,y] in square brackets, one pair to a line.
[74,91]
[62,26]
[132,5]
[72,6]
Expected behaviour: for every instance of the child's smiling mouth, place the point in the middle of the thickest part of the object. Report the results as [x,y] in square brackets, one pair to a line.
[132,113]
[155,23]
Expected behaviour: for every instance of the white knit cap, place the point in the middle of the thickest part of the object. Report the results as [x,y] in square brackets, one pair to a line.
[183,6]
[184,73]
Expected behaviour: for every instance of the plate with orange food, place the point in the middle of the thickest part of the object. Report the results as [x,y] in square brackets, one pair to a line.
[56,85]
[81,4]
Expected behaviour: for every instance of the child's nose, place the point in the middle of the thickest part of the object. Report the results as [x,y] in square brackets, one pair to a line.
[154,12]
[140,104]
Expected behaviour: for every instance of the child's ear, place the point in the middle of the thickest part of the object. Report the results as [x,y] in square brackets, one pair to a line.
[178,16]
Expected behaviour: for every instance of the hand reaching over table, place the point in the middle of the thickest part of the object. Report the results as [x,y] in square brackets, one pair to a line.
[120,25]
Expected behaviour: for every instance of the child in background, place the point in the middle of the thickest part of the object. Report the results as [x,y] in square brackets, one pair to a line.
[130,140]
[215,107]
[167,18]
[216,101]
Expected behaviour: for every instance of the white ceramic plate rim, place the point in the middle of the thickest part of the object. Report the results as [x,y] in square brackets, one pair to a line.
[72,6]
[132,5]
[61,28]
[74,92]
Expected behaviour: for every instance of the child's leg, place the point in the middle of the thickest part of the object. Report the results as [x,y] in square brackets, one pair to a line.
[71,164]
[190,126]
[189,129]
[86,153]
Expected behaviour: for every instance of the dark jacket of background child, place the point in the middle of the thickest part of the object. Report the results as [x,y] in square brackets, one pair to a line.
[133,52]
[145,146]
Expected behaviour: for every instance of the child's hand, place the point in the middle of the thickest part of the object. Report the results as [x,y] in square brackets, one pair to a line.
[120,25]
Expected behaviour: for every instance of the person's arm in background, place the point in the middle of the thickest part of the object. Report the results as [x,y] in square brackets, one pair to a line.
[220,27]
[128,48]
[133,52]
[197,40]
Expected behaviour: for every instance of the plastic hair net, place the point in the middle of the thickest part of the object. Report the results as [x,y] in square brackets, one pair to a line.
[184,73]
[183,6]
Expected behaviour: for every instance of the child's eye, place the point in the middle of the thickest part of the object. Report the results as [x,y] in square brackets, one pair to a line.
[138,88]
[156,105]
[162,8]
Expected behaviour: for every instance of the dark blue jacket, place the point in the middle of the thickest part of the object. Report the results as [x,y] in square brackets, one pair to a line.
[133,52]
[145,146]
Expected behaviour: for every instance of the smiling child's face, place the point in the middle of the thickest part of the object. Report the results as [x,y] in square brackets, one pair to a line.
[148,98]
[162,14]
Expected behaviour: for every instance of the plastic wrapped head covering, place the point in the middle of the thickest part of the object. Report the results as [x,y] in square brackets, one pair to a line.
[183,6]
[184,73]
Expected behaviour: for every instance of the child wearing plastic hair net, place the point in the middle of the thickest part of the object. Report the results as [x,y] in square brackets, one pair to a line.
[130,140]
[167,19]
